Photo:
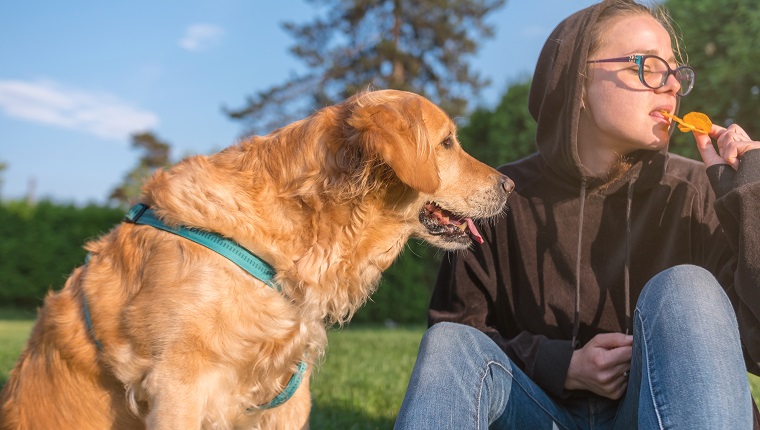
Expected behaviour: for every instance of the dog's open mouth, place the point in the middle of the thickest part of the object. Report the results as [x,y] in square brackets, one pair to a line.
[440,222]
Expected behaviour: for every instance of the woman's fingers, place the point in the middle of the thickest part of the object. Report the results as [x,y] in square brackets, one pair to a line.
[706,148]
[731,143]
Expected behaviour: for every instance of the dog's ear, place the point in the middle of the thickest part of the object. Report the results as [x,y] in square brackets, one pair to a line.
[399,137]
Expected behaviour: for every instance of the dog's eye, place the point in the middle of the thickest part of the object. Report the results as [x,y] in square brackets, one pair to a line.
[448,142]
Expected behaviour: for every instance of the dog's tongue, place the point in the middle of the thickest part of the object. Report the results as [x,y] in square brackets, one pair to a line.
[473,230]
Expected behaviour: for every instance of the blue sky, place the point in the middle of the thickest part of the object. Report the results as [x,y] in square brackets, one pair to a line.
[77,78]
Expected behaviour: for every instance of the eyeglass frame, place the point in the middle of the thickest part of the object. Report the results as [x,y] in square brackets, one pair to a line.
[639,59]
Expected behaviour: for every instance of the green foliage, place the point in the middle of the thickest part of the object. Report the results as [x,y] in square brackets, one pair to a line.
[42,244]
[721,41]
[504,134]
[421,46]
[404,291]
[3,168]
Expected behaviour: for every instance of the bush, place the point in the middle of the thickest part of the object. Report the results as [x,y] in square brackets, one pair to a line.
[404,292]
[42,244]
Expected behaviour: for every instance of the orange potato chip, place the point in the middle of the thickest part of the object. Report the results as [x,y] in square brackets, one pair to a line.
[692,121]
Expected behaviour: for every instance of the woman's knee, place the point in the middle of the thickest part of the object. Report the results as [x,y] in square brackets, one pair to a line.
[447,336]
[459,341]
[686,292]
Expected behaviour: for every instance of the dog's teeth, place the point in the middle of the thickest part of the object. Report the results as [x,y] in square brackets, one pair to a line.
[462,226]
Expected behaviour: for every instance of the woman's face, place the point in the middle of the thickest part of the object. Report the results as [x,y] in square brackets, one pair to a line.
[621,115]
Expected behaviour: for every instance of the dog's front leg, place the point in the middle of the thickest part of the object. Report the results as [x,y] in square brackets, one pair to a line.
[176,401]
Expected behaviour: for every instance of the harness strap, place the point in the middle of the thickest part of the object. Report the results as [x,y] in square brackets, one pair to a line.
[142,214]
[229,249]
[287,392]
[88,320]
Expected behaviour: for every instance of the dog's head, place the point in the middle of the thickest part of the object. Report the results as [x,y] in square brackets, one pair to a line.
[443,188]
[391,155]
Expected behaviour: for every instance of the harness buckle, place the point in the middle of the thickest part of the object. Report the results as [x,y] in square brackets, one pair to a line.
[135,212]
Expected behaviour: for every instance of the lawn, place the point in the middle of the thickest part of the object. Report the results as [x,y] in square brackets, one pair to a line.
[359,386]
[14,330]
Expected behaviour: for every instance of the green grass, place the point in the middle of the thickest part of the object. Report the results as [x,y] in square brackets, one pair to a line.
[14,330]
[360,384]
[364,376]
[754,384]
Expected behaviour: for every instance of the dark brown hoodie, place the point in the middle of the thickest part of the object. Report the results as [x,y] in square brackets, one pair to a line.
[571,252]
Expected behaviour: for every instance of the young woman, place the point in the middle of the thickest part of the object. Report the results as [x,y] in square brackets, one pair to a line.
[622,288]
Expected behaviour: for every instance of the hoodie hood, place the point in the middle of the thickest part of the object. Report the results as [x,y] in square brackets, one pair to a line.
[555,99]
[555,103]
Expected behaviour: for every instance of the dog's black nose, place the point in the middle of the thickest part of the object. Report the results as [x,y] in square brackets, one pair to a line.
[506,184]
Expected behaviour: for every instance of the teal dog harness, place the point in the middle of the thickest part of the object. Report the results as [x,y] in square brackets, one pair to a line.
[142,215]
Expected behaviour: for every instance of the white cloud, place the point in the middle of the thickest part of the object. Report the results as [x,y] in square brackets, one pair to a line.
[199,37]
[49,103]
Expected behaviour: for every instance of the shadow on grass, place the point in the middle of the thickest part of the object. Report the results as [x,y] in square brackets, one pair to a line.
[344,418]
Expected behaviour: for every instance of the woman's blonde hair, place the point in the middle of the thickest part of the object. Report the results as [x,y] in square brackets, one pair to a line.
[625,8]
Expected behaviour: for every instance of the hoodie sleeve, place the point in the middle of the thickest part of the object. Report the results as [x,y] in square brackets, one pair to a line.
[465,292]
[737,207]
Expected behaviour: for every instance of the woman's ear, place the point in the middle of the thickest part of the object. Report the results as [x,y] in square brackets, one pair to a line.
[398,136]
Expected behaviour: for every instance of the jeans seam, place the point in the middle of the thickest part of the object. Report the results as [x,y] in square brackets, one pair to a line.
[482,384]
[514,382]
[645,345]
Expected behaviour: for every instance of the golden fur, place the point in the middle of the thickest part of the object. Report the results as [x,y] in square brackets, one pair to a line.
[191,340]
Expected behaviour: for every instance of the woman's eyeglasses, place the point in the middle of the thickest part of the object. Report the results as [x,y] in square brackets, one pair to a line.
[654,71]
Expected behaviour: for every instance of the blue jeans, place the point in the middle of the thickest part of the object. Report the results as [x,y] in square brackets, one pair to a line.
[687,372]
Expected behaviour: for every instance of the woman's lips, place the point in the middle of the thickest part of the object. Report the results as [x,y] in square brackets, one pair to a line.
[657,113]
[659,117]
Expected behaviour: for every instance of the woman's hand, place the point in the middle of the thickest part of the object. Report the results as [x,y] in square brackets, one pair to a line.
[731,142]
[601,366]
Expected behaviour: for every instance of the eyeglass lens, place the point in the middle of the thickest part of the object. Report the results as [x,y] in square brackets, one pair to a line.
[656,74]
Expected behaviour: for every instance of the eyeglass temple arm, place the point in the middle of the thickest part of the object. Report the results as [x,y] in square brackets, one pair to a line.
[629,59]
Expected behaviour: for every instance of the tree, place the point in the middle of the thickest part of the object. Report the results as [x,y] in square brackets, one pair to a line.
[3,167]
[414,45]
[155,156]
[504,134]
[721,39]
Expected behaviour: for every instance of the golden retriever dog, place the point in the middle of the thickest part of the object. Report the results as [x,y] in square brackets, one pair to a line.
[157,331]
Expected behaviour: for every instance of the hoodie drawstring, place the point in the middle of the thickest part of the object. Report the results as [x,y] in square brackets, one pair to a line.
[627,269]
[576,316]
